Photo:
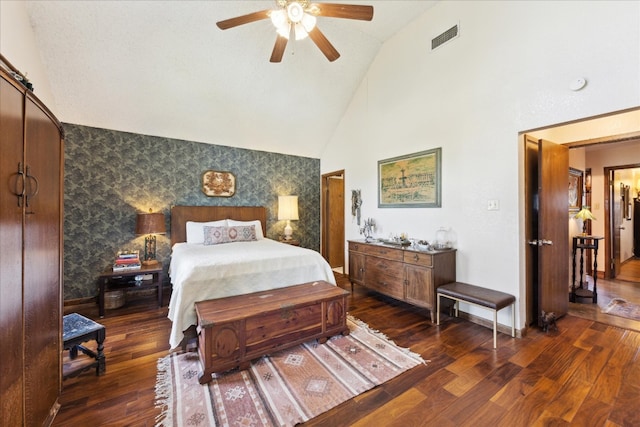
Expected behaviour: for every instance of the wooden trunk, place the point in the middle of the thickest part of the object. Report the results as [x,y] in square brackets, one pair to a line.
[235,330]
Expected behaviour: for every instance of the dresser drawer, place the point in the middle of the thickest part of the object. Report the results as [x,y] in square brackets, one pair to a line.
[357,247]
[376,265]
[418,258]
[269,330]
[384,251]
[388,285]
[385,276]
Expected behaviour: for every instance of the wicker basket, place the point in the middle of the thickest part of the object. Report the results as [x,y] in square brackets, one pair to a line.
[113,299]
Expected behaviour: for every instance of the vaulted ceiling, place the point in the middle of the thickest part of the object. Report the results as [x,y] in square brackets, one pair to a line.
[163,68]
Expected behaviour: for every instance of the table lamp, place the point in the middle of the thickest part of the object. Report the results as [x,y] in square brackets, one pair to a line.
[584,214]
[150,224]
[287,210]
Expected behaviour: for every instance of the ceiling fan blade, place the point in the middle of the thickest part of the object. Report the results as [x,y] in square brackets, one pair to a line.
[244,19]
[325,45]
[347,11]
[278,49]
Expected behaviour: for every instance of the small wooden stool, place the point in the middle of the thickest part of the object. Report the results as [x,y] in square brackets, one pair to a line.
[77,329]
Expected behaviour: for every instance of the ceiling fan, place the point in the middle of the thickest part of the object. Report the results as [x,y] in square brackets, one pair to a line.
[297,19]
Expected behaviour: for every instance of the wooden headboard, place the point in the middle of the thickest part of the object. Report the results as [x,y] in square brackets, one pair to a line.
[181,214]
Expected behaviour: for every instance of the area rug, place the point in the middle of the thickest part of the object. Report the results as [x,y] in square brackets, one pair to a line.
[622,308]
[282,389]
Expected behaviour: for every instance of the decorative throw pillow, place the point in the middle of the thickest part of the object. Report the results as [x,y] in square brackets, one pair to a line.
[242,233]
[256,223]
[195,230]
[215,235]
[218,235]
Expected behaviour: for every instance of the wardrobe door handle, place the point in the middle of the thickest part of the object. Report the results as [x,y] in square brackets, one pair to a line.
[19,187]
[37,184]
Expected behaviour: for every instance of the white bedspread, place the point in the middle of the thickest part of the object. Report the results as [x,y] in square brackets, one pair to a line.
[200,272]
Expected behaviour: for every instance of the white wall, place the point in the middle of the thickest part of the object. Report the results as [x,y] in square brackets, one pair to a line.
[509,71]
[14,24]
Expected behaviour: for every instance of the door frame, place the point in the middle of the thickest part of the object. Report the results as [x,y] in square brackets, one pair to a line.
[324,222]
[609,237]
[539,133]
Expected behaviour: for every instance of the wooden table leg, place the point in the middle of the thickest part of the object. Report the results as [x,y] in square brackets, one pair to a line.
[103,283]
[101,367]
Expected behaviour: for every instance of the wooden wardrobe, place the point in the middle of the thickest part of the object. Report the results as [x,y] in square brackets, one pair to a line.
[31,201]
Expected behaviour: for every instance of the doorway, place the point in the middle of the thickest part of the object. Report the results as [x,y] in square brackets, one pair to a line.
[621,222]
[593,133]
[332,219]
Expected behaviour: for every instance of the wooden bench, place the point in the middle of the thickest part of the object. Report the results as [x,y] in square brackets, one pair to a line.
[233,331]
[481,297]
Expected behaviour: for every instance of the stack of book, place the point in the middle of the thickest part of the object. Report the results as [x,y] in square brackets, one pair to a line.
[127,260]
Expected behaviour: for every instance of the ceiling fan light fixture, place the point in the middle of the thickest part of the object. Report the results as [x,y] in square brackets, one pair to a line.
[300,31]
[308,22]
[303,27]
[280,21]
[295,12]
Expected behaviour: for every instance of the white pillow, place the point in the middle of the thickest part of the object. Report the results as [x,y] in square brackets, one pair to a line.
[195,230]
[259,234]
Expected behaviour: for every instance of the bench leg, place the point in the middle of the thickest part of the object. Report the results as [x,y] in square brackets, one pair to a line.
[495,328]
[438,310]
[513,320]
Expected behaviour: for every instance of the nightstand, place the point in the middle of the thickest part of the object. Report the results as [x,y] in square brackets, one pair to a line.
[122,280]
[292,242]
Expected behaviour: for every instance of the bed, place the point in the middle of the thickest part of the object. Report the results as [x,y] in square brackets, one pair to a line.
[200,271]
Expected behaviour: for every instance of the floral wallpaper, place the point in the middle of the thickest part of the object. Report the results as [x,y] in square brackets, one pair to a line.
[111,175]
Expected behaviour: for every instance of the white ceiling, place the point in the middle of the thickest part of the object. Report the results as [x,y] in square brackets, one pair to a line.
[163,68]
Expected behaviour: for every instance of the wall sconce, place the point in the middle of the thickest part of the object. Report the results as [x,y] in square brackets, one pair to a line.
[584,214]
[287,210]
[150,224]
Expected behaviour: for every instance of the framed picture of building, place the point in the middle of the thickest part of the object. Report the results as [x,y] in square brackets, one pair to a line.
[411,181]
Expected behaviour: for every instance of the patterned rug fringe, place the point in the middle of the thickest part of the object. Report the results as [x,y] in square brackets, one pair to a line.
[164,393]
[383,336]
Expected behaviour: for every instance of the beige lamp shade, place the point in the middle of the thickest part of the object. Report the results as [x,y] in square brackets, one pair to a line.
[150,223]
[287,210]
[287,207]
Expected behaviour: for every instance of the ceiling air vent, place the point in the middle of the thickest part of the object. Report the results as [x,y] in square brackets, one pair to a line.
[450,34]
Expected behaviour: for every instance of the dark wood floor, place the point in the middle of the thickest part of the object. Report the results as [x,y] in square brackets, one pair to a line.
[628,290]
[585,374]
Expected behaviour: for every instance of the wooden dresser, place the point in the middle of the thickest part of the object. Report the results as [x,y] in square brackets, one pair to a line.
[404,274]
